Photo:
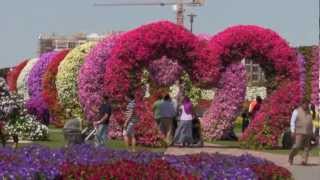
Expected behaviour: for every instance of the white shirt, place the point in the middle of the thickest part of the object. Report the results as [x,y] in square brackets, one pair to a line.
[293,120]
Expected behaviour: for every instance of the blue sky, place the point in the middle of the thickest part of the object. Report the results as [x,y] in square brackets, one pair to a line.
[23,20]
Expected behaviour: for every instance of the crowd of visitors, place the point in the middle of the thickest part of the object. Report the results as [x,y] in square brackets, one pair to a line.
[178,123]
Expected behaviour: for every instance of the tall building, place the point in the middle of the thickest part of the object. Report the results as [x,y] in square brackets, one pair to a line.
[55,42]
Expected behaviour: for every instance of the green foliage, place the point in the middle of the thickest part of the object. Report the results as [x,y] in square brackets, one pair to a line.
[194,93]
[3,72]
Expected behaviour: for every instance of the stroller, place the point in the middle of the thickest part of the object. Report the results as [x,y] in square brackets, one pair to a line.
[196,133]
[73,134]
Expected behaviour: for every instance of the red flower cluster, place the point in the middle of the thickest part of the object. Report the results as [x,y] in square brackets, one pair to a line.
[271,171]
[49,92]
[123,169]
[13,75]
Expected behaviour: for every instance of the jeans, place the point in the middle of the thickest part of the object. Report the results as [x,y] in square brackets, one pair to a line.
[101,134]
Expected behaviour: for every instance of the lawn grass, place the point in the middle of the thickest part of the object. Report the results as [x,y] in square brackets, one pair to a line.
[56,140]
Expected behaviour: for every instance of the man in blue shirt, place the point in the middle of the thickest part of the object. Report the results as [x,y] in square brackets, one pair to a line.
[102,125]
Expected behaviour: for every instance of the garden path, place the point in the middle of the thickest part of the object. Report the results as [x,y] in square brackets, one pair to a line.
[310,172]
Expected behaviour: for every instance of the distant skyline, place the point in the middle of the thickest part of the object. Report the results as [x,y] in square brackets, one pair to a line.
[23,21]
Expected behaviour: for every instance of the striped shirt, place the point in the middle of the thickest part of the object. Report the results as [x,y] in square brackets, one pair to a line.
[130,112]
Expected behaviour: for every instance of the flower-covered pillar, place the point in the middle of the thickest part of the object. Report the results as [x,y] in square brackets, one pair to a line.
[49,92]
[22,81]
[36,105]
[218,121]
[66,80]
[13,75]
[315,99]
[91,83]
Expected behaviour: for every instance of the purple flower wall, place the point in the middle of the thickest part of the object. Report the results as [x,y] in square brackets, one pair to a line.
[227,103]
[315,78]
[164,71]
[91,84]
[36,105]
[302,72]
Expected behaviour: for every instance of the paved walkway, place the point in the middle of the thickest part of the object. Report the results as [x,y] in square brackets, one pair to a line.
[311,172]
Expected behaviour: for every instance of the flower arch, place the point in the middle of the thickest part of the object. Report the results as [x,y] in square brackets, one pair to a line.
[276,57]
[22,86]
[138,48]
[36,105]
[13,75]
[66,79]
[49,92]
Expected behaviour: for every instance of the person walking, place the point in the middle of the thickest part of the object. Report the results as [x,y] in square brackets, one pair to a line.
[255,106]
[129,125]
[316,125]
[101,126]
[183,134]
[301,129]
[167,114]
[156,110]
[245,120]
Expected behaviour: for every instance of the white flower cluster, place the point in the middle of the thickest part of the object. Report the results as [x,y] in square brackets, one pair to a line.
[67,79]
[18,121]
[22,81]
[28,129]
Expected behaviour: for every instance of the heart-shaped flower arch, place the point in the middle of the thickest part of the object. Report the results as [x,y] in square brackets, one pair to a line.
[138,48]
[204,62]
[276,58]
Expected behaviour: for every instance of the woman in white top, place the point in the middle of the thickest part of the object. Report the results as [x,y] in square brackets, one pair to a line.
[183,134]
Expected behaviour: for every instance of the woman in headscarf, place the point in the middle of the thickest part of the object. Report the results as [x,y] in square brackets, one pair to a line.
[183,134]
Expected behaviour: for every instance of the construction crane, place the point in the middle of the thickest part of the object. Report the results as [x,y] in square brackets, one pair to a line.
[179,5]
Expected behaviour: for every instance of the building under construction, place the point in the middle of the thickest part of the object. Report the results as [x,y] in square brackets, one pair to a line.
[54,42]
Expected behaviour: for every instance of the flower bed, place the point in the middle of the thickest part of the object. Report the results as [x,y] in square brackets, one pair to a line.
[87,162]
[18,121]
[13,75]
